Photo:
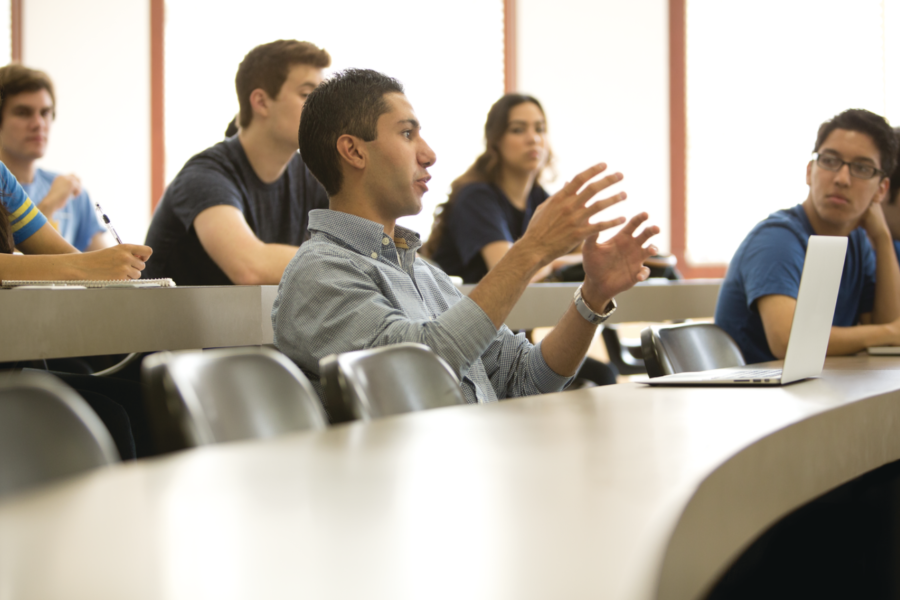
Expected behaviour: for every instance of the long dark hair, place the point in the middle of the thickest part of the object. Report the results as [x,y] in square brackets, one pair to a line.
[6,236]
[486,168]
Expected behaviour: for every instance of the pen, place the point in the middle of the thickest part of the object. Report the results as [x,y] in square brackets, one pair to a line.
[105,219]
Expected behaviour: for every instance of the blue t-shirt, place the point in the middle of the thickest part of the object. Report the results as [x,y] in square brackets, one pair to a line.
[770,261]
[24,217]
[481,214]
[76,222]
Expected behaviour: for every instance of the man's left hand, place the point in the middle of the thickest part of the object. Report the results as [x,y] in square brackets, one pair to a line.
[875,223]
[617,264]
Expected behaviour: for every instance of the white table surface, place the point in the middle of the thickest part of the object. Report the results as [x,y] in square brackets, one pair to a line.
[624,492]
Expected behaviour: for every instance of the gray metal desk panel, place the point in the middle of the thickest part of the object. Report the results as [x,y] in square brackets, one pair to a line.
[623,492]
[57,323]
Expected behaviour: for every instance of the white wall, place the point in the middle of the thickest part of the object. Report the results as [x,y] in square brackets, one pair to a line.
[98,54]
[601,70]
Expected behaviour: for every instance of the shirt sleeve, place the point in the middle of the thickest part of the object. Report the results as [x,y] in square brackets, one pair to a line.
[772,264]
[514,366]
[202,184]
[517,368]
[477,220]
[24,217]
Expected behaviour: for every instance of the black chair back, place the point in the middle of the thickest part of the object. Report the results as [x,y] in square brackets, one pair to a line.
[689,347]
[379,382]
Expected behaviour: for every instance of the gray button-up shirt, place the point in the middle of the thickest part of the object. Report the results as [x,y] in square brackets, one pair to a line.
[350,287]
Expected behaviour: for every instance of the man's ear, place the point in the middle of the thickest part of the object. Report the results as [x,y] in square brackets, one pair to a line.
[259,102]
[353,151]
[883,189]
[809,173]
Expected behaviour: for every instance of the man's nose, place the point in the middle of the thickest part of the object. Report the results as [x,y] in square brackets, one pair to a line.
[843,174]
[427,157]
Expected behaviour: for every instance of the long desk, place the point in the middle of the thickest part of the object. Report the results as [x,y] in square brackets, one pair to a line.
[58,323]
[624,492]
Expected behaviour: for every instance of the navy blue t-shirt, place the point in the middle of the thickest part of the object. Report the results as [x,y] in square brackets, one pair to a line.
[277,212]
[480,215]
[770,261]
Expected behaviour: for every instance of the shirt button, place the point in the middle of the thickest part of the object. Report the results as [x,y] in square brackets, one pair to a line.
[385,241]
[374,255]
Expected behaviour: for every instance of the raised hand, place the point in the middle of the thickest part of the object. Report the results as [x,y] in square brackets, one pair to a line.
[617,264]
[562,222]
[63,189]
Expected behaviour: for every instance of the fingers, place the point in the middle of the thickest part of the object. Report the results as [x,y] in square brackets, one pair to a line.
[634,223]
[571,188]
[599,185]
[142,252]
[599,226]
[647,233]
[643,274]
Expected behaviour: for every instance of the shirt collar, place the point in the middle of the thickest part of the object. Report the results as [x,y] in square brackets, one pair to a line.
[362,235]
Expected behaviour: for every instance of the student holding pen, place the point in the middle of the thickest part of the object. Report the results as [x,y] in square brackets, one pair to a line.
[46,255]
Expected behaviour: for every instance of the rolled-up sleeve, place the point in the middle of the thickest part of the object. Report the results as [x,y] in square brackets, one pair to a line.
[516,367]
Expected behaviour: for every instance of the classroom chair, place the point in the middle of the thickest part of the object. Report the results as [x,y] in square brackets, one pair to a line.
[198,397]
[688,347]
[47,432]
[390,380]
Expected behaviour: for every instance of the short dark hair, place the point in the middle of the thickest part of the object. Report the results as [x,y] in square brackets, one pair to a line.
[349,103]
[864,121]
[16,79]
[895,176]
[266,67]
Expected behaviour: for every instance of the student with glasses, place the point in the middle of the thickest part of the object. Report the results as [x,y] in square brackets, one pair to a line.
[848,180]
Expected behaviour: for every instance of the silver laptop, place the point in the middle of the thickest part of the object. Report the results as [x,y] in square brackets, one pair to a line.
[811,328]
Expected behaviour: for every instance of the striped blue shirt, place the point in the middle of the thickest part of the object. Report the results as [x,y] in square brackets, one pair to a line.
[24,217]
[351,287]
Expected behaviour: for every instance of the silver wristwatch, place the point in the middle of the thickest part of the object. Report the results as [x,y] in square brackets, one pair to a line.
[589,315]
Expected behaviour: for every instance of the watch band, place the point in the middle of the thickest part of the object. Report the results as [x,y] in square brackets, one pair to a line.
[589,315]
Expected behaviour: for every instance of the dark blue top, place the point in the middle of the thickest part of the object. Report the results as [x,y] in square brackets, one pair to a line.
[480,215]
[770,261]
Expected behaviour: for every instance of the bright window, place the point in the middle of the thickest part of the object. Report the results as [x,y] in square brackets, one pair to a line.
[5,32]
[449,56]
[761,78]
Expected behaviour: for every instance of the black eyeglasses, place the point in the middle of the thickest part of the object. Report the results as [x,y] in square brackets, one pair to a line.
[830,162]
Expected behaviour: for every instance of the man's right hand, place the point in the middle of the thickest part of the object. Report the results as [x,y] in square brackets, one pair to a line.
[63,189]
[125,261]
[562,222]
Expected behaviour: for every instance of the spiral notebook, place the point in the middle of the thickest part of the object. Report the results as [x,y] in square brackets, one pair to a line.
[79,283]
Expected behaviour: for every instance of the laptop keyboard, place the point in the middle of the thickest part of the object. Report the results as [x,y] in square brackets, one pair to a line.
[751,375]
